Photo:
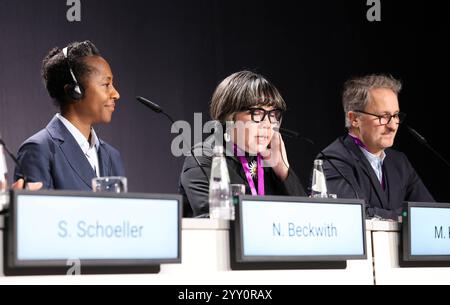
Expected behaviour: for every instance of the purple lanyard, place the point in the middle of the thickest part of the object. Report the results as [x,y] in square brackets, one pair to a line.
[358,141]
[244,163]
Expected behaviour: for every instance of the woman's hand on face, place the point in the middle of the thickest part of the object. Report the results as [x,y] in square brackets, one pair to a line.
[276,157]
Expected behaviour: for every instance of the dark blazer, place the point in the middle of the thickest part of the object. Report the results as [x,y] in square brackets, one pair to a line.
[401,180]
[195,187]
[53,157]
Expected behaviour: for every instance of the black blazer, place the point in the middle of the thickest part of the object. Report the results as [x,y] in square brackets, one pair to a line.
[195,187]
[401,180]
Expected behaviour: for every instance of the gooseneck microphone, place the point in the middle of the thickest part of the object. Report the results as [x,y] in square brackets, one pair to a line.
[16,162]
[423,141]
[156,108]
[296,135]
[292,134]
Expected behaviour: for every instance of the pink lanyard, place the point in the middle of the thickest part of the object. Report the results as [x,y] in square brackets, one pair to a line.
[246,168]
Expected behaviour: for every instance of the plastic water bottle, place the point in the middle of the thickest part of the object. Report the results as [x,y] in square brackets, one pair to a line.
[319,181]
[3,180]
[220,205]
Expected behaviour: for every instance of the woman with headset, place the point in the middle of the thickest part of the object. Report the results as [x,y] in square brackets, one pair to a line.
[67,153]
[255,152]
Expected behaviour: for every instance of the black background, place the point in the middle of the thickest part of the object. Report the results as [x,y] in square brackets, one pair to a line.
[176,52]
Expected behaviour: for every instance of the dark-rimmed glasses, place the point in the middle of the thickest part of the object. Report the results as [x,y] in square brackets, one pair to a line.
[259,114]
[385,119]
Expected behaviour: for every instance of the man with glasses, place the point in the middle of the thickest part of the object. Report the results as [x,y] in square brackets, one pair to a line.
[250,108]
[382,176]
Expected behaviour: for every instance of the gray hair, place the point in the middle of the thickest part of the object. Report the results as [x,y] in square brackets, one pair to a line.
[356,93]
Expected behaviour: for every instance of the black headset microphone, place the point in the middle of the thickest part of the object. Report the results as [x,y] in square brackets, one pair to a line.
[156,108]
[75,91]
[295,135]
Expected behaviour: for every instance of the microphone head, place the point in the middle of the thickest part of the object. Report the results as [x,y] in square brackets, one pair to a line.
[286,132]
[155,107]
[292,134]
[416,135]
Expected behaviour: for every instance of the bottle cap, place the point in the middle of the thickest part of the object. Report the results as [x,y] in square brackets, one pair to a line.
[318,162]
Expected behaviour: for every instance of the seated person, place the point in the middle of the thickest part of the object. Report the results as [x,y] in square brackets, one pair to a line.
[382,176]
[255,107]
[67,153]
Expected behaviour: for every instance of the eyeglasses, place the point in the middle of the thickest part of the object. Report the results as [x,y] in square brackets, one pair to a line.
[259,114]
[385,119]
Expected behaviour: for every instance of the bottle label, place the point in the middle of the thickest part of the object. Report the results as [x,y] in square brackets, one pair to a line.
[320,184]
[3,168]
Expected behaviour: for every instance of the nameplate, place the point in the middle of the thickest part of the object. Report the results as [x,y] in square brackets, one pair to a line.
[299,229]
[427,231]
[49,228]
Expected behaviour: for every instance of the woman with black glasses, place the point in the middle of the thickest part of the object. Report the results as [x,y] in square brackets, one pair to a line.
[249,109]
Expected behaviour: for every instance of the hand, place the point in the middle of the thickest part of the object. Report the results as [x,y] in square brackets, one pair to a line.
[32,186]
[276,157]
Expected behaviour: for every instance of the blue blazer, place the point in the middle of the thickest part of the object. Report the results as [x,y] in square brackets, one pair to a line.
[53,157]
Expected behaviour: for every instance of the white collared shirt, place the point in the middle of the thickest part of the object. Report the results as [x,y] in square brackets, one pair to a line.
[89,149]
[375,161]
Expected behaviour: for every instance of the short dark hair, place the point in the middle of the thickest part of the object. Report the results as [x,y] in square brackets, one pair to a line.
[241,91]
[55,68]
